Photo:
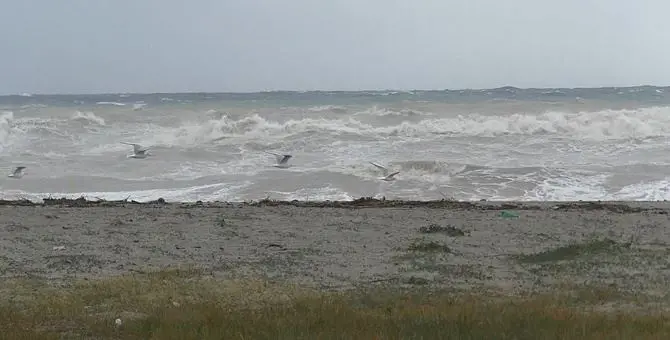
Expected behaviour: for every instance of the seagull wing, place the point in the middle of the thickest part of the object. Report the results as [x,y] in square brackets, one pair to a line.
[136,147]
[278,156]
[380,167]
[393,174]
[18,170]
[281,159]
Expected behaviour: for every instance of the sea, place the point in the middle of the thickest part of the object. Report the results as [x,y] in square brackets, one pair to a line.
[502,144]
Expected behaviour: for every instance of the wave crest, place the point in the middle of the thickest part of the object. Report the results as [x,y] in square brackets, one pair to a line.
[88,118]
[600,125]
[6,118]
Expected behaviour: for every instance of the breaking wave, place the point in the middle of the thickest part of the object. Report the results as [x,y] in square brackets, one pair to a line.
[571,155]
[601,125]
[88,118]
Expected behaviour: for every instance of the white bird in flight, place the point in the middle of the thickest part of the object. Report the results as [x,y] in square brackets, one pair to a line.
[18,172]
[138,151]
[387,176]
[282,160]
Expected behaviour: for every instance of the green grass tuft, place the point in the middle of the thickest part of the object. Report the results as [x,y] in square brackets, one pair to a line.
[572,251]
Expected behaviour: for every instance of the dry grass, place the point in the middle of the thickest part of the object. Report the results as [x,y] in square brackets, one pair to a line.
[185,304]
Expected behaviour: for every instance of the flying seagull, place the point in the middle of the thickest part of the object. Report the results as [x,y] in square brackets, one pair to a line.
[138,151]
[282,160]
[18,172]
[387,176]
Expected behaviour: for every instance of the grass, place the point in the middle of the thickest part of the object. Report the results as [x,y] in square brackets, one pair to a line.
[425,246]
[573,251]
[186,304]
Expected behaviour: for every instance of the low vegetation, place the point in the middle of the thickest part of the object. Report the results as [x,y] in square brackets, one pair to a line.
[436,228]
[573,251]
[426,246]
[187,304]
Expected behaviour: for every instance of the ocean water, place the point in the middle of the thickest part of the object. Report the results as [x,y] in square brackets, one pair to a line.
[496,144]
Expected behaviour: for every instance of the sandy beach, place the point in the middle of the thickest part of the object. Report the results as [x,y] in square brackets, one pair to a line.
[506,247]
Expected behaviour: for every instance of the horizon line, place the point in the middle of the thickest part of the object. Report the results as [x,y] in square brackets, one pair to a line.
[29,94]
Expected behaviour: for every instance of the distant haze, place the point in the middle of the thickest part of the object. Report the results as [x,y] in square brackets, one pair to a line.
[102,46]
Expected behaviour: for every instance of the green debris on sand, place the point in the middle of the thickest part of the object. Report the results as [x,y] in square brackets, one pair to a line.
[508,214]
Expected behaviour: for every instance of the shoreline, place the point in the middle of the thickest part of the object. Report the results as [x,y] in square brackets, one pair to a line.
[363,202]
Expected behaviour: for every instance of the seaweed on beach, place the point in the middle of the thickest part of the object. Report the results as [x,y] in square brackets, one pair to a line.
[369,202]
[77,202]
[363,202]
[613,207]
[23,202]
[436,228]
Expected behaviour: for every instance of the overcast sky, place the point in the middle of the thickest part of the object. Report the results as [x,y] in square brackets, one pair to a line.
[93,46]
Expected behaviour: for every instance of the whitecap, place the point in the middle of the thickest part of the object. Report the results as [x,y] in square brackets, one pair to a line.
[111,103]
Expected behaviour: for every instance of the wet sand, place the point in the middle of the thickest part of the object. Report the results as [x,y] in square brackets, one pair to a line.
[334,245]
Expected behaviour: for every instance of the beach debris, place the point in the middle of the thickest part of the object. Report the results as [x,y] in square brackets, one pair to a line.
[428,247]
[276,245]
[160,200]
[436,228]
[13,226]
[446,197]
[509,214]
[57,248]
[414,280]
[613,207]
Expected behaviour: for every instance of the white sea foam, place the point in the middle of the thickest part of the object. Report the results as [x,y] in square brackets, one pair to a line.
[111,103]
[429,148]
[33,106]
[601,125]
[210,192]
[389,112]
[595,126]
[6,118]
[326,193]
[571,186]
[328,108]
[645,191]
[88,118]
[592,188]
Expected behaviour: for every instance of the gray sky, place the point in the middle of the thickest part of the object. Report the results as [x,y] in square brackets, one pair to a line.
[92,46]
